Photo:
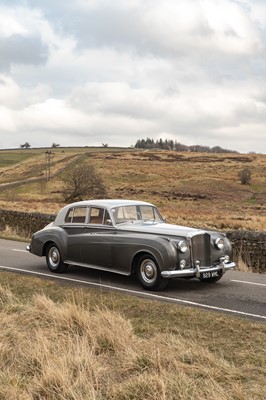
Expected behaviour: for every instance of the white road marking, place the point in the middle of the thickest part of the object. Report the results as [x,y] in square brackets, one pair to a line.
[143,294]
[22,251]
[248,283]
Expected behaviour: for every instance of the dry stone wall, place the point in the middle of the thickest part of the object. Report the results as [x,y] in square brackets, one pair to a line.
[250,247]
[247,245]
[22,223]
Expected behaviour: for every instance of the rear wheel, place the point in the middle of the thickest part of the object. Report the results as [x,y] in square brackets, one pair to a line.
[149,273]
[54,259]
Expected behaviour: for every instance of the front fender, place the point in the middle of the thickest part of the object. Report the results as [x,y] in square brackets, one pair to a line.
[127,248]
[163,250]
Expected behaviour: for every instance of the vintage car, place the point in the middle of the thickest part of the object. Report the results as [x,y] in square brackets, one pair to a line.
[131,237]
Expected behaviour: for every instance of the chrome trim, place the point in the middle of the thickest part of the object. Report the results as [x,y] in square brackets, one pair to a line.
[197,270]
[217,243]
[84,265]
[191,234]
[179,245]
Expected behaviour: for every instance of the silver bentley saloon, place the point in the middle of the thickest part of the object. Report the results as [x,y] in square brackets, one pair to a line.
[131,237]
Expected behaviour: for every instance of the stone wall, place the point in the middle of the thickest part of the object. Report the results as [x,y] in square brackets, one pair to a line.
[22,223]
[248,246]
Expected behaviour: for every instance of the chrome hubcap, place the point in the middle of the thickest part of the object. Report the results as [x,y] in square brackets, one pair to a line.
[54,257]
[148,271]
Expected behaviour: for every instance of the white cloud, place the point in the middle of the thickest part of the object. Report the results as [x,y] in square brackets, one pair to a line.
[9,92]
[8,125]
[11,22]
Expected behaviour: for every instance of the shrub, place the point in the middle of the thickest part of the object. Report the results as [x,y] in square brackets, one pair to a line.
[245,176]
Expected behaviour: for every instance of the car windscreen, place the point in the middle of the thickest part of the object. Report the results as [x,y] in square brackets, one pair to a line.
[136,213]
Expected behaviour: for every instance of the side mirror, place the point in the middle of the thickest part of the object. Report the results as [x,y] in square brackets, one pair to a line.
[109,222]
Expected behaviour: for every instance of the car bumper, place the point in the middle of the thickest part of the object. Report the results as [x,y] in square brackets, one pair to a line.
[197,271]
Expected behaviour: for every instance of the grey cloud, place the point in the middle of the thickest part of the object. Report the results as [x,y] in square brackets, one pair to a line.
[18,49]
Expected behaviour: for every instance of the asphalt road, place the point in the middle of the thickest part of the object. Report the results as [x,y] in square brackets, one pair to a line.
[239,293]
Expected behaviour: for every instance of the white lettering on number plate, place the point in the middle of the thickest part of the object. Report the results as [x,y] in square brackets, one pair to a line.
[211,274]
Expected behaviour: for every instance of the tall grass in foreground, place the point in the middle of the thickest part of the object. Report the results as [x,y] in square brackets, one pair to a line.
[64,351]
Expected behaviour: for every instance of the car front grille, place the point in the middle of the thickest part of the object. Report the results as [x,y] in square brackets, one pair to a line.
[201,249]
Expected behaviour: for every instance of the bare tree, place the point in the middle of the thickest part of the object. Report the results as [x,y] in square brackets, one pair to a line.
[26,145]
[81,182]
[55,145]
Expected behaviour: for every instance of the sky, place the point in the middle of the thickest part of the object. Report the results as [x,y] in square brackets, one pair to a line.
[94,72]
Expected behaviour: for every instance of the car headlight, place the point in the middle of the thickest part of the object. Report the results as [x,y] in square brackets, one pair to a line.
[219,243]
[182,246]
[182,264]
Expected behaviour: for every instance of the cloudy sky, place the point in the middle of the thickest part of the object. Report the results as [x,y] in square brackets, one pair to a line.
[87,72]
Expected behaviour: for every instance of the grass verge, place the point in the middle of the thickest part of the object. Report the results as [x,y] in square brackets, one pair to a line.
[59,342]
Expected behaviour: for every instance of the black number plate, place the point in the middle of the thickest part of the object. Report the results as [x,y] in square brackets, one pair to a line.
[209,274]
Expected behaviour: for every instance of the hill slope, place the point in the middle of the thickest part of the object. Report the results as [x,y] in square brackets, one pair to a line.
[198,189]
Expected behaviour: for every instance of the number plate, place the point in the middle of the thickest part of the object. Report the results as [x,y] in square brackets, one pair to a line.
[209,274]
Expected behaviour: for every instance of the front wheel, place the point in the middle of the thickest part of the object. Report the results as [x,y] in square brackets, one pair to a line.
[149,274]
[54,259]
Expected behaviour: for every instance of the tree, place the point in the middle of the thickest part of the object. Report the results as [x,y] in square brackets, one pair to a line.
[169,144]
[26,145]
[81,182]
[55,145]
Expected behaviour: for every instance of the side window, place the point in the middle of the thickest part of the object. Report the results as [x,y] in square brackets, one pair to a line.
[96,215]
[79,215]
[99,216]
[76,215]
[69,216]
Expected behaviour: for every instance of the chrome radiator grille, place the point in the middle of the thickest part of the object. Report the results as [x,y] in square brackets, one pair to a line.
[201,249]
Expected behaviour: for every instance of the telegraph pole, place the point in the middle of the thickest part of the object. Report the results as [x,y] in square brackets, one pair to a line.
[48,165]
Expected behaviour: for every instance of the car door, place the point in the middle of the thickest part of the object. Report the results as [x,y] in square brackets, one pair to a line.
[96,242]
[75,225]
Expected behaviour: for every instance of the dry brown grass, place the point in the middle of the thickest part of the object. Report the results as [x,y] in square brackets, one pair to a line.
[69,351]
[201,190]
[34,166]
[243,266]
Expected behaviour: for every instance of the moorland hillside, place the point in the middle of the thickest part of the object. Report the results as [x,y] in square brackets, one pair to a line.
[199,189]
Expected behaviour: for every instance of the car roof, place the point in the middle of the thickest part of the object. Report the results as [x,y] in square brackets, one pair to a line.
[106,203]
[109,203]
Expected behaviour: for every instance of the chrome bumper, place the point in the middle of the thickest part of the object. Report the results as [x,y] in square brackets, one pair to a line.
[188,273]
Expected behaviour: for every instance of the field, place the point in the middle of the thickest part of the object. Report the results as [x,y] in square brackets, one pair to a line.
[202,190]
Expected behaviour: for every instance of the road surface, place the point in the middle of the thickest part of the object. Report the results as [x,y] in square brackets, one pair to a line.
[238,293]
